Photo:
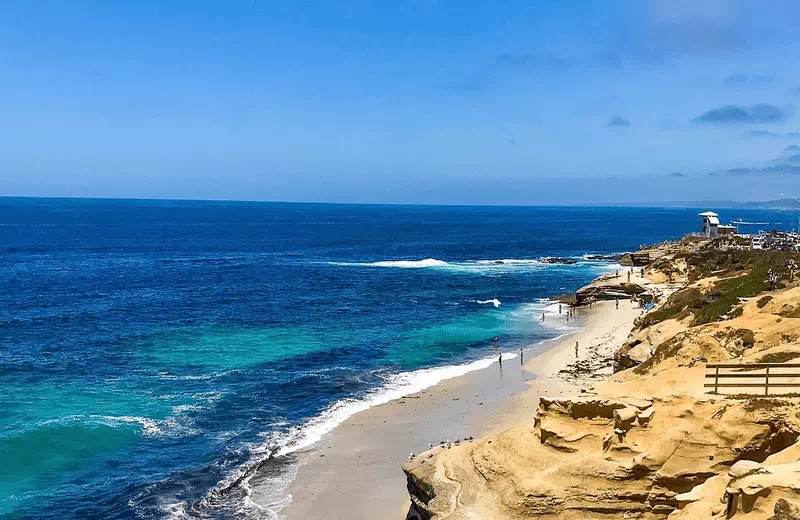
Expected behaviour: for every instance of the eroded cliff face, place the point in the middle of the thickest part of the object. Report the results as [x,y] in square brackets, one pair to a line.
[647,442]
[591,457]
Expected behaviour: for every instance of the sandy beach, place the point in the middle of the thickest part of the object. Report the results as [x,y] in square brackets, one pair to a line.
[356,468]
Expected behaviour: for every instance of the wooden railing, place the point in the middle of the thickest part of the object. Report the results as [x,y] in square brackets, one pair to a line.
[749,376]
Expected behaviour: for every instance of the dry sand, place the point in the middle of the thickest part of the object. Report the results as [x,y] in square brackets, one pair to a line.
[354,472]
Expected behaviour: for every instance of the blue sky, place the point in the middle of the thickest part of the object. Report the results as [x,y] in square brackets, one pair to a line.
[429,101]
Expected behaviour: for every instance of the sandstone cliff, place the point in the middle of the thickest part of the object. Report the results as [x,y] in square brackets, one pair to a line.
[648,442]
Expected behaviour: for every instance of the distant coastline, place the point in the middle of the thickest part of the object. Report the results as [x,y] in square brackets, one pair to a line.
[777,204]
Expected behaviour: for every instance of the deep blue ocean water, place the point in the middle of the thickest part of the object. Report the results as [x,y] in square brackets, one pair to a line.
[162,358]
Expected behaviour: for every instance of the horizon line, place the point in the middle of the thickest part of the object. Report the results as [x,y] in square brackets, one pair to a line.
[653,204]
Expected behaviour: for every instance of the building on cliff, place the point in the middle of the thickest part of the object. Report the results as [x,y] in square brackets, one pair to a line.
[712,228]
[710,224]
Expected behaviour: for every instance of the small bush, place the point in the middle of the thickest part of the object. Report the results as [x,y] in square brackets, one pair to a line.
[664,350]
[764,404]
[762,302]
[792,312]
[778,357]
[658,316]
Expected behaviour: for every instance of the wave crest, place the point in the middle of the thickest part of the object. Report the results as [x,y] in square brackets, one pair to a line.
[402,264]
[490,267]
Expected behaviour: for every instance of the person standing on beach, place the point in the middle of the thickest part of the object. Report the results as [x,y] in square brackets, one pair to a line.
[576,351]
[542,317]
[629,276]
[496,343]
[500,360]
[617,300]
[520,356]
[559,308]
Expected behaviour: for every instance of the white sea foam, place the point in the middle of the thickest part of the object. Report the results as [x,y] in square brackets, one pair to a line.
[302,437]
[267,500]
[167,427]
[488,267]
[397,386]
[512,261]
[403,264]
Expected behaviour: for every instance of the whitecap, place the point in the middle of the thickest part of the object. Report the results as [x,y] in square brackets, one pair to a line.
[167,427]
[477,267]
[402,264]
[494,302]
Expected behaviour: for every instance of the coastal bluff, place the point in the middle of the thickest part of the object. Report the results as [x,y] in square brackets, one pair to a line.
[646,440]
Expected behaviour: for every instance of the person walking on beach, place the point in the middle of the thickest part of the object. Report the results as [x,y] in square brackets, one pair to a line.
[617,274]
[559,308]
[500,360]
[542,317]
[629,276]
[520,356]
[617,300]
[576,351]
[496,343]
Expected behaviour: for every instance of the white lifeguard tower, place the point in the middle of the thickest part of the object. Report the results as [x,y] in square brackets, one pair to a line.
[710,224]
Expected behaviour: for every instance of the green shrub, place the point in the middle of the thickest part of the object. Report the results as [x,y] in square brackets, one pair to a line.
[778,357]
[792,312]
[745,276]
[664,350]
[762,302]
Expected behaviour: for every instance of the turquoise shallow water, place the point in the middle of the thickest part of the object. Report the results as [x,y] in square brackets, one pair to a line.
[161,358]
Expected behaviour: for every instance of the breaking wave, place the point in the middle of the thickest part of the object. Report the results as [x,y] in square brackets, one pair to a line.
[488,266]
[283,444]
[401,264]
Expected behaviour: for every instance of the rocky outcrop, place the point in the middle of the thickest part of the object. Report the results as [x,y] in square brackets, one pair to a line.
[631,354]
[637,259]
[591,457]
[604,258]
[558,260]
[749,490]
[607,290]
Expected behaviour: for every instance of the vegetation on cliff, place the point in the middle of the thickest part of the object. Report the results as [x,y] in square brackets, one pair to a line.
[738,274]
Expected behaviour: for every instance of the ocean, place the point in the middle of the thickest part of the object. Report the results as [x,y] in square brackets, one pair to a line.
[163,359]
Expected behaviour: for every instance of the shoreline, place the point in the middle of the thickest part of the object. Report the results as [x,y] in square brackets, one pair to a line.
[356,466]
